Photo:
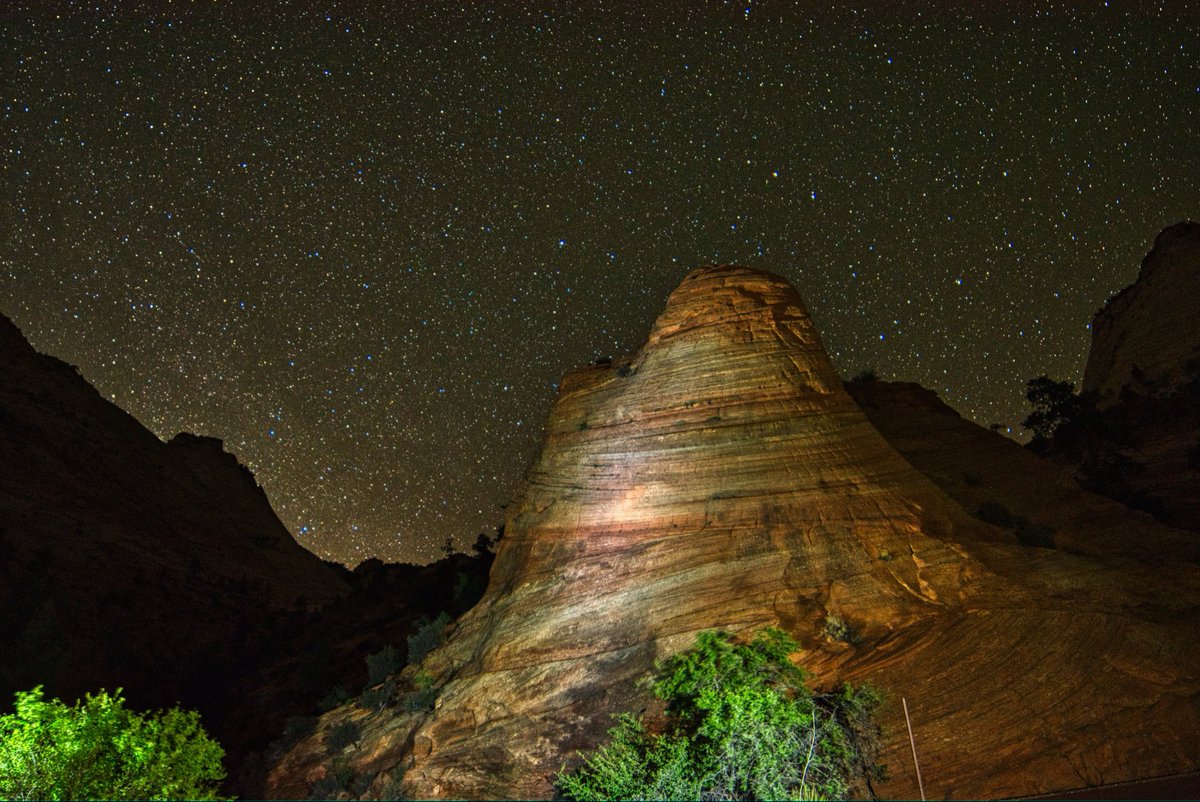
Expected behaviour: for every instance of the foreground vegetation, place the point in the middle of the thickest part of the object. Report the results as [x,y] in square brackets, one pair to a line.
[97,749]
[741,724]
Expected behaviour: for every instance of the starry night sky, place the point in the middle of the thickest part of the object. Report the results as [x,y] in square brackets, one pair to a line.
[363,247]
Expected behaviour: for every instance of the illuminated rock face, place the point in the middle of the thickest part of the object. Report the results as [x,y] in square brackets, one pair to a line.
[721,477]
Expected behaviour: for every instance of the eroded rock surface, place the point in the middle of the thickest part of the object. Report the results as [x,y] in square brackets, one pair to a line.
[721,477]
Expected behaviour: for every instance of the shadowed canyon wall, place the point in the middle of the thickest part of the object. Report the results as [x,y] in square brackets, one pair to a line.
[1143,447]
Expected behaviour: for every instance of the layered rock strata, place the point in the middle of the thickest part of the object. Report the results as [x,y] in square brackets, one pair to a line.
[721,477]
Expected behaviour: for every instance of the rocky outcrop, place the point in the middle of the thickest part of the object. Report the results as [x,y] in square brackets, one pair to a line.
[978,467]
[160,568]
[1146,335]
[1143,445]
[721,477]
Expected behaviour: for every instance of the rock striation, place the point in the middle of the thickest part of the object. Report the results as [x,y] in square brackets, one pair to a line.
[721,477]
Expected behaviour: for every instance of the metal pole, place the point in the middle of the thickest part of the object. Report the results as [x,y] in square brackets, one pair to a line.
[913,744]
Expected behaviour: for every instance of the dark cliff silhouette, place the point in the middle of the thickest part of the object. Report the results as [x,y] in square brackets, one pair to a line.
[161,568]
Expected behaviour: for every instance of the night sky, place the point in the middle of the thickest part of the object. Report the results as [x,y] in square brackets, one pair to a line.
[363,247]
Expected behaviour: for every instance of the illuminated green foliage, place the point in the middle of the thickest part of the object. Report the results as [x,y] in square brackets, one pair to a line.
[427,638]
[742,724]
[97,749]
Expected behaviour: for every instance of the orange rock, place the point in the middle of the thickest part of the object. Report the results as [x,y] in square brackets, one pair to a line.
[721,477]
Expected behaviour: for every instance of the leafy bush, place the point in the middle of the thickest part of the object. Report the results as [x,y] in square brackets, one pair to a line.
[427,638]
[1028,533]
[865,375]
[98,749]
[742,724]
[343,735]
[1036,535]
[336,697]
[378,697]
[392,788]
[1061,418]
[836,627]
[995,513]
[424,695]
[333,783]
[379,665]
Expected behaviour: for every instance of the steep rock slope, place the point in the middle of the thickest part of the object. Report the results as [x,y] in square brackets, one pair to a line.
[161,568]
[1143,445]
[129,562]
[85,480]
[976,467]
[722,477]
[1146,334]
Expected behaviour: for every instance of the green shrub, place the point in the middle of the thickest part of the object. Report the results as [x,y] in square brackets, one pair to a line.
[995,513]
[742,724]
[1028,533]
[336,697]
[1058,412]
[343,735]
[392,788]
[424,694]
[1036,535]
[865,375]
[359,784]
[97,749]
[379,665]
[427,638]
[333,783]
[378,697]
[836,628]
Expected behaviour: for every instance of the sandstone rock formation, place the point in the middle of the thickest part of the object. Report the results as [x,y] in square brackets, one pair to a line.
[161,568]
[975,466]
[1143,448]
[1145,336]
[722,477]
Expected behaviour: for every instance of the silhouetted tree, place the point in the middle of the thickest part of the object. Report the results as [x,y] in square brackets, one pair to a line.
[1059,415]
[483,545]
[866,375]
